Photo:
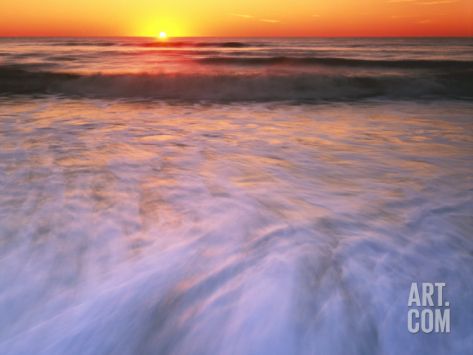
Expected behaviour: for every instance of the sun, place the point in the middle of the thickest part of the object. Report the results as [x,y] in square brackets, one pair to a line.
[162,35]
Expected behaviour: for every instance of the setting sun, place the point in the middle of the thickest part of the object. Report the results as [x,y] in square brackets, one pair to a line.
[264,18]
[162,35]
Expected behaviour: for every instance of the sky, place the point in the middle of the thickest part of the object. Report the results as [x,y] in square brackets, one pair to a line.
[236,18]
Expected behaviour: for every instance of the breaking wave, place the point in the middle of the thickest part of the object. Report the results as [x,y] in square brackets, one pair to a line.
[236,87]
[171,43]
[230,44]
[335,61]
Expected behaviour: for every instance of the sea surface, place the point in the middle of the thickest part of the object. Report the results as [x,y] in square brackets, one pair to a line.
[256,69]
[233,195]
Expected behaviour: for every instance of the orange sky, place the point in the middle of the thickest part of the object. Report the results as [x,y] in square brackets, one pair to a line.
[236,18]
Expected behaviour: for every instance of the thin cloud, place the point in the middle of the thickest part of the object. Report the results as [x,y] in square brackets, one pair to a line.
[438,2]
[425,21]
[242,15]
[417,2]
[315,15]
[403,16]
[269,20]
[251,17]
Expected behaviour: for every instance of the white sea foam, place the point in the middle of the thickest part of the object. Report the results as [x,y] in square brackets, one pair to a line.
[150,228]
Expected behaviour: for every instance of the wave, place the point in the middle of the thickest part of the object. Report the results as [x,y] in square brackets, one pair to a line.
[336,61]
[231,44]
[236,87]
[169,43]
[83,43]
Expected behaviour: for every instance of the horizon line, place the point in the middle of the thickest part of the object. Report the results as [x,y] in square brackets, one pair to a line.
[233,36]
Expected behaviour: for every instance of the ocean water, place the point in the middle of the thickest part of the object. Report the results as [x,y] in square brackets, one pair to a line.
[233,196]
[238,69]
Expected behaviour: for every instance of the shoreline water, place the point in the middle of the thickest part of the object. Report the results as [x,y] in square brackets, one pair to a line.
[147,227]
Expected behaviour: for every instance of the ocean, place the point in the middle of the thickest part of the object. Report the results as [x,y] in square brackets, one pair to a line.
[233,195]
[216,69]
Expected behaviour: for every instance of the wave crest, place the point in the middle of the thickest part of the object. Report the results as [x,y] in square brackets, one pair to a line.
[236,87]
